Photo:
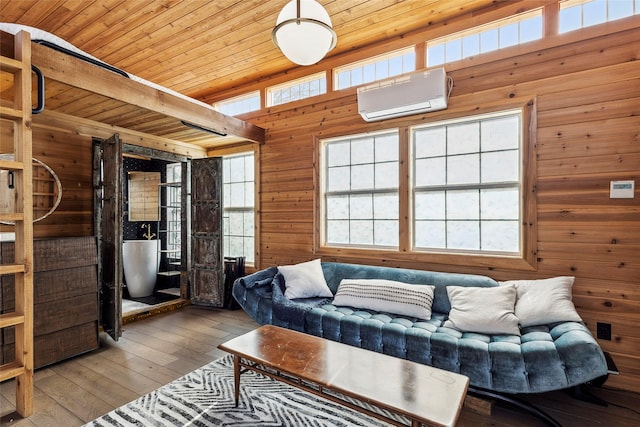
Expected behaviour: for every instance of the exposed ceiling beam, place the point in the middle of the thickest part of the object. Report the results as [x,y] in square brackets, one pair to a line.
[75,72]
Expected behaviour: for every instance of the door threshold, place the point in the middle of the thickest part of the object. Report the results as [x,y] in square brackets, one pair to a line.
[143,313]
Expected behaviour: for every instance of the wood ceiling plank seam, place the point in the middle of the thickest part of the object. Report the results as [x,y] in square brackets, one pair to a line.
[14,10]
[121,112]
[159,35]
[59,16]
[113,20]
[121,46]
[88,17]
[35,14]
[201,37]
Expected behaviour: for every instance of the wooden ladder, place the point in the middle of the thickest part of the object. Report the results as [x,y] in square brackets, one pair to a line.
[22,268]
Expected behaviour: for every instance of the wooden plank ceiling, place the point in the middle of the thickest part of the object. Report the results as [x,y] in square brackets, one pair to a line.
[202,47]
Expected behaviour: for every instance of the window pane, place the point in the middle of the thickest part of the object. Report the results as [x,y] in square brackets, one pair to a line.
[531,29]
[620,9]
[338,207]
[361,207]
[386,233]
[430,142]
[463,138]
[463,169]
[435,55]
[339,179]
[430,234]
[471,45]
[500,236]
[362,232]
[463,204]
[430,205]
[362,177]
[338,154]
[453,50]
[501,133]
[594,12]
[338,232]
[385,206]
[501,203]
[570,18]
[509,35]
[386,148]
[500,166]
[362,151]
[489,41]
[464,235]
[430,171]
[386,175]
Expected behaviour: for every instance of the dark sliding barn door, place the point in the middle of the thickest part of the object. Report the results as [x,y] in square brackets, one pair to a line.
[108,222]
[206,277]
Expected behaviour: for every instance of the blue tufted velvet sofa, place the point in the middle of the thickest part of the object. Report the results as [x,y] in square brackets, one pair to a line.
[543,358]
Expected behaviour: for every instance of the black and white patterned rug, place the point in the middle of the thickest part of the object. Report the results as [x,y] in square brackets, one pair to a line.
[204,398]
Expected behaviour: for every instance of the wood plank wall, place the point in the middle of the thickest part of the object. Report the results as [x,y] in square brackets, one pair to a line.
[588,133]
[69,156]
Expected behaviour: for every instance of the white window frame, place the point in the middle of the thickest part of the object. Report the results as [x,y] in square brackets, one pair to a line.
[380,65]
[294,90]
[579,6]
[248,235]
[448,190]
[240,104]
[380,191]
[498,26]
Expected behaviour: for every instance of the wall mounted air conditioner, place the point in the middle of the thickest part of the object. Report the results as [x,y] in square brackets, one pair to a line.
[405,95]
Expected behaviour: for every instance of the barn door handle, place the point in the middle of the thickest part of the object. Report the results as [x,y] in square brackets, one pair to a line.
[40,83]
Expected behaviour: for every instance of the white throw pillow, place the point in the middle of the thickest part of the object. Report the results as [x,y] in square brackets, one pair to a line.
[544,301]
[483,310]
[305,280]
[387,296]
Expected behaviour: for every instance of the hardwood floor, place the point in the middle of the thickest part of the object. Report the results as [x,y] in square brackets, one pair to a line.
[157,350]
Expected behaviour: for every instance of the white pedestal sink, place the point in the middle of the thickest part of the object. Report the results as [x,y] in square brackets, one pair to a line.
[141,262]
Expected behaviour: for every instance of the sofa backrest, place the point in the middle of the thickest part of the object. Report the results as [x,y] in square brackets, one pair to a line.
[334,272]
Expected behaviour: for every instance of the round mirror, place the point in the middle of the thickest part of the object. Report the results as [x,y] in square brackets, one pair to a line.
[47,190]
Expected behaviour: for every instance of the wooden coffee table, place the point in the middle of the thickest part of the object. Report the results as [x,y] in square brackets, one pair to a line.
[421,393]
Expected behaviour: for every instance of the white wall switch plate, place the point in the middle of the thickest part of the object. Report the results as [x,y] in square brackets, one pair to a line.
[622,189]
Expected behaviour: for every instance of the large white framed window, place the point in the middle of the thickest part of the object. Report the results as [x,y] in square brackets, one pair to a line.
[576,14]
[467,184]
[360,190]
[238,181]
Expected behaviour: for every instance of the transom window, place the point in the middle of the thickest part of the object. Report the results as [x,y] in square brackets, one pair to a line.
[374,69]
[238,180]
[239,104]
[360,183]
[576,14]
[516,30]
[295,90]
[466,184]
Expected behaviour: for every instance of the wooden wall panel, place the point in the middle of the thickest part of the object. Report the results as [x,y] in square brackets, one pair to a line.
[588,133]
[69,156]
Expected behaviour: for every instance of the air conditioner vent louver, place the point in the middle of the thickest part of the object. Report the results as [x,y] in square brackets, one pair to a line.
[402,96]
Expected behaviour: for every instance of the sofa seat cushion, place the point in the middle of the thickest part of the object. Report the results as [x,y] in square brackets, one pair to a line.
[541,359]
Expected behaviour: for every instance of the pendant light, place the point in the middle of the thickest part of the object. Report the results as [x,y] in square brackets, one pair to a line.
[303,32]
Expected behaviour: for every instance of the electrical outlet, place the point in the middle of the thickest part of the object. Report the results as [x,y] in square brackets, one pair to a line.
[603,331]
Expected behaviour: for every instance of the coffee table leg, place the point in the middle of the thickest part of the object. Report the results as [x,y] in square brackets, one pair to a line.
[236,378]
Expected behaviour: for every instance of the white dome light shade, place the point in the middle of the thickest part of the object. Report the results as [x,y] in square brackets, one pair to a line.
[304,39]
